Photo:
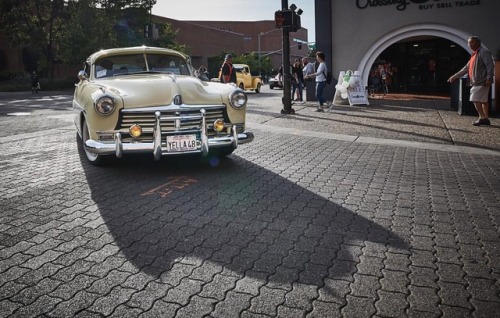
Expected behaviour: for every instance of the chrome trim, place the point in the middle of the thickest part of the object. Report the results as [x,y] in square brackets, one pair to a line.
[82,76]
[177,121]
[170,108]
[110,148]
[119,145]
[157,137]
[232,95]
[96,102]
[177,100]
[204,138]
[235,137]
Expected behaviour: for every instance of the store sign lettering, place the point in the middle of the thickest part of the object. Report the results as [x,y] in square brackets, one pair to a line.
[401,5]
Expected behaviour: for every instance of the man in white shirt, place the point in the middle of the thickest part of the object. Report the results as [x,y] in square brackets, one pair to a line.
[309,85]
[308,67]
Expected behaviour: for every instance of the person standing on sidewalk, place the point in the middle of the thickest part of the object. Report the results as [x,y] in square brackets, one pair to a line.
[320,76]
[297,80]
[35,83]
[480,70]
[228,75]
[308,67]
[308,83]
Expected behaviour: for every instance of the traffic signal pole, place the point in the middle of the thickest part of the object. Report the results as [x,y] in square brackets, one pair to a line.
[287,97]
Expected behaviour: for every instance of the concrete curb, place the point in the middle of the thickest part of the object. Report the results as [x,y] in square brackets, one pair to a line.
[378,141]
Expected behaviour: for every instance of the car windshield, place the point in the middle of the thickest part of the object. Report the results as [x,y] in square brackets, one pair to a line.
[120,65]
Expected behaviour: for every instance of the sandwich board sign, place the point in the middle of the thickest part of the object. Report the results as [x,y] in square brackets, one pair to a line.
[350,89]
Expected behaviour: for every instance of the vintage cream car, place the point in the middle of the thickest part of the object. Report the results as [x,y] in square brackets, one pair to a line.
[147,100]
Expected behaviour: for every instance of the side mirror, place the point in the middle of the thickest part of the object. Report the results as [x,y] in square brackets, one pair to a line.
[82,76]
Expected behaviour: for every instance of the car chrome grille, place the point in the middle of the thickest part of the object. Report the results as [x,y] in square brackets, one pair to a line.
[185,120]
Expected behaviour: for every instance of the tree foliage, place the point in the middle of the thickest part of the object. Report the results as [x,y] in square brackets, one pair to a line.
[34,25]
[67,31]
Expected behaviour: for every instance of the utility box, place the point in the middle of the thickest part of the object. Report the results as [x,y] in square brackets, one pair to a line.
[459,99]
[310,88]
[465,107]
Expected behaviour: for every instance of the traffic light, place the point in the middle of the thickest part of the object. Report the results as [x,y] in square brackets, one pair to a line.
[296,22]
[283,18]
[287,19]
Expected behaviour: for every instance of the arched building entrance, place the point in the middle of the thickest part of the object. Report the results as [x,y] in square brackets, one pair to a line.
[420,65]
[423,56]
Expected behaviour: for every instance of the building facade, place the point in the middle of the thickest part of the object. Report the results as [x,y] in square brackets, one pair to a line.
[421,41]
[212,38]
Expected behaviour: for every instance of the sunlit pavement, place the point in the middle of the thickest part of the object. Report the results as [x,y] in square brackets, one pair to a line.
[311,219]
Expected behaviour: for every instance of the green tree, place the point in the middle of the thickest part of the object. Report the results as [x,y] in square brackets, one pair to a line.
[93,25]
[166,38]
[125,20]
[54,31]
[87,31]
[36,26]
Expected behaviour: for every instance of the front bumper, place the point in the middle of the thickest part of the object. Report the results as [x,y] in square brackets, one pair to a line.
[157,145]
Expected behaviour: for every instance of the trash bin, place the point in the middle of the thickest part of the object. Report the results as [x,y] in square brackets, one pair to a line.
[459,98]
[465,107]
[310,90]
[454,90]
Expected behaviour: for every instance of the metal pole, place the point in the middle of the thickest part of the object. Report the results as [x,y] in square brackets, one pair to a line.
[287,98]
[150,23]
[260,69]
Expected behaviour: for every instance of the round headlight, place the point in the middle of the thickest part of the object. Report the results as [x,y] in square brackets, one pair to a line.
[105,105]
[238,99]
[135,130]
[219,125]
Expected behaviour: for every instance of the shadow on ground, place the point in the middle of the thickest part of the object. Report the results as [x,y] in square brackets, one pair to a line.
[232,215]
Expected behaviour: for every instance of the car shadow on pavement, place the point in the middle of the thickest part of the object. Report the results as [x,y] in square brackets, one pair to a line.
[235,218]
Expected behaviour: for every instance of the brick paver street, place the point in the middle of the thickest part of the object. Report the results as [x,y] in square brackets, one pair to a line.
[301,222]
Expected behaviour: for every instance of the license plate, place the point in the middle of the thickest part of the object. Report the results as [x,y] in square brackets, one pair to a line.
[181,143]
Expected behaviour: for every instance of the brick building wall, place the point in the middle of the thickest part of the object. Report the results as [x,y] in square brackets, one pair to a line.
[212,38]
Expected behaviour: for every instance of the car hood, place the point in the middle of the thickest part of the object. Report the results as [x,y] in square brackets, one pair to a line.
[158,90]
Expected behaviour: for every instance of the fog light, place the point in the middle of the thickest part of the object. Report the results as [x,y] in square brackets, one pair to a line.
[219,125]
[135,131]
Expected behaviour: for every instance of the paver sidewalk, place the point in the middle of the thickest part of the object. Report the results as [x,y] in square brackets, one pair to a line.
[396,117]
[293,224]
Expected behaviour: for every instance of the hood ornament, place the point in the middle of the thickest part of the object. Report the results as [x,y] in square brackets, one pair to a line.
[177,100]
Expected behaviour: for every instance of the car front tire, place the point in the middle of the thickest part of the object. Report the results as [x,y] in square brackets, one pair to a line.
[97,160]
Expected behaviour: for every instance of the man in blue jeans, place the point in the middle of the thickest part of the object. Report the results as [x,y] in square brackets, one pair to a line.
[320,76]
